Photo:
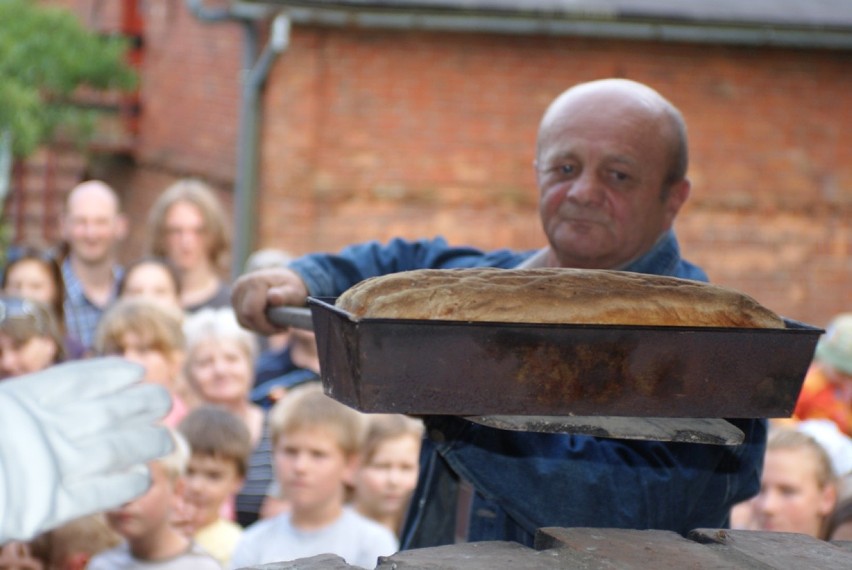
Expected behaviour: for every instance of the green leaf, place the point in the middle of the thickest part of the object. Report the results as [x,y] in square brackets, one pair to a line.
[46,56]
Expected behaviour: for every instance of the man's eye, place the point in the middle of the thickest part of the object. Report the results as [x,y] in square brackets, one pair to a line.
[565,169]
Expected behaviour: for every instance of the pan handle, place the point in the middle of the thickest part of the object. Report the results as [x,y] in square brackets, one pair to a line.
[296,317]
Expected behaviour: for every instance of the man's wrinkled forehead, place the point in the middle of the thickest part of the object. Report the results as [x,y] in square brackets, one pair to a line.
[623,90]
[605,97]
[609,103]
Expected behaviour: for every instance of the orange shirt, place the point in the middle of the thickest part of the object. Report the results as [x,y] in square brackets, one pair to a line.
[819,399]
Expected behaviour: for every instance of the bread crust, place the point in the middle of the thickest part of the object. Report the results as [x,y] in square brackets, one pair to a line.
[555,296]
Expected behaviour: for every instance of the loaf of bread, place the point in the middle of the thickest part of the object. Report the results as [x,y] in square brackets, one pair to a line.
[554,295]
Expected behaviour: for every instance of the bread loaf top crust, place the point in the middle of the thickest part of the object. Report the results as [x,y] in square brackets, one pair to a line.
[554,295]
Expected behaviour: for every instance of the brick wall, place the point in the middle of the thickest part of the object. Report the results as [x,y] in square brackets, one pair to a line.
[372,134]
[190,93]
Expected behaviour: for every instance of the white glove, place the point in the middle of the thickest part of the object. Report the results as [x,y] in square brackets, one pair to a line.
[74,439]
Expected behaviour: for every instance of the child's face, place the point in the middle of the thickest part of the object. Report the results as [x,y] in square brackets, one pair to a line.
[160,367]
[210,481]
[384,484]
[151,281]
[790,497]
[142,516]
[22,357]
[30,278]
[312,469]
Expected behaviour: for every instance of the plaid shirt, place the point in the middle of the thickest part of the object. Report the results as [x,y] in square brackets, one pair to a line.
[81,315]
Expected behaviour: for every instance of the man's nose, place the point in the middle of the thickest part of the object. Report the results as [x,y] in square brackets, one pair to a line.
[586,189]
[91,230]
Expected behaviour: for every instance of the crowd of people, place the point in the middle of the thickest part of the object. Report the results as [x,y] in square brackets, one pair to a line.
[239,460]
[265,467]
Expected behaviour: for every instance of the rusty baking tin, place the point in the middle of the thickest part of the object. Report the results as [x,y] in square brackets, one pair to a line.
[475,368]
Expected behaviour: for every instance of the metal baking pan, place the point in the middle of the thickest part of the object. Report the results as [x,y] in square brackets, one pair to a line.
[475,368]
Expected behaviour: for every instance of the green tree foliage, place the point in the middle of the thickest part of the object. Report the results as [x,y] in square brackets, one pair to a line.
[46,55]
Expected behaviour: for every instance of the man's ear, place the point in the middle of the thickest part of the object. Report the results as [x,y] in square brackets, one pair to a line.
[353,463]
[676,197]
[122,227]
[536,173]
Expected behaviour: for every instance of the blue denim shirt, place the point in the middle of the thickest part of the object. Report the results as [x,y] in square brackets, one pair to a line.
[81,314]
[523,480]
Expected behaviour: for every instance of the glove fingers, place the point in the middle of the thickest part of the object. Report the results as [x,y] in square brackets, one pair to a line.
[116,451]
[81,380]
[142,404]
[100,493]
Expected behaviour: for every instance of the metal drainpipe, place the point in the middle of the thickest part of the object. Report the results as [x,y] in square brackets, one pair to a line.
[255,71]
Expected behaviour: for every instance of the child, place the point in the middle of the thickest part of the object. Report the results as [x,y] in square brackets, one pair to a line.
[220,445]
[148,333]
[152,278]
[389,467]
[798,489]
[29,337]
[316,442]
[72,545]
[151,541]
[34,274]
[827,391]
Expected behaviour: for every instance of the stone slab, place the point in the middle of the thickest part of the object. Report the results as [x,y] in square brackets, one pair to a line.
[777,550]
[483,556]
[319,562]
[635,549]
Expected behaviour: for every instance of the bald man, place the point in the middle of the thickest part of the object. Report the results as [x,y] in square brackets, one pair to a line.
[610,164]
[92,227]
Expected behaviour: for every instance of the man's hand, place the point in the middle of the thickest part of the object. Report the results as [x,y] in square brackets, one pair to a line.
[254,292]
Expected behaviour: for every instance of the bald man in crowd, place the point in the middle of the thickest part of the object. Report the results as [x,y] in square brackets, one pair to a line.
[93,226]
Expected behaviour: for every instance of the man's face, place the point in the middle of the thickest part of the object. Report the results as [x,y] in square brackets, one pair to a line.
[601,168]
[186,236]
[93,225]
